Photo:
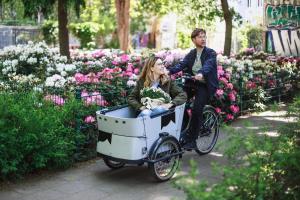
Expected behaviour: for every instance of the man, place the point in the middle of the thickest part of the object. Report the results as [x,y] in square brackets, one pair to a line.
[201,63]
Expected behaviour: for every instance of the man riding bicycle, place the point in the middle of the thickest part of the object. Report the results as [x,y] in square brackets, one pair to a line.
[201,63]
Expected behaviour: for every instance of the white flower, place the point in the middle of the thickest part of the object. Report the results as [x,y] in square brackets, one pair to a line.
[50,69]
[60,67]
[31,60]
[63,73]
[70,67]
[45,59]
[133,77]
[24,56]
[55,81]
[131,83]
[14,63]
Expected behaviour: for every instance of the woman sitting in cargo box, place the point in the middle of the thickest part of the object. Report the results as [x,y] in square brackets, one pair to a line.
[154,75]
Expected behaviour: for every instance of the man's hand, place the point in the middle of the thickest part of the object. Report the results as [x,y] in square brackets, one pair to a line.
[199,77]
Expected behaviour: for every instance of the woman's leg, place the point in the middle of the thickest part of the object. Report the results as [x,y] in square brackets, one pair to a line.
[158,110]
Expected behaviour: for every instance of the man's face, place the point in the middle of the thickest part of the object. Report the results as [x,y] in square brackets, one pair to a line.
[200,40]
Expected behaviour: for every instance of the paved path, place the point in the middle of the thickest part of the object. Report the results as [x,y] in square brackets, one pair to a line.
[92,180]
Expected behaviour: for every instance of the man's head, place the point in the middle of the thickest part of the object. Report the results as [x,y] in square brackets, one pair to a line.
[198,37]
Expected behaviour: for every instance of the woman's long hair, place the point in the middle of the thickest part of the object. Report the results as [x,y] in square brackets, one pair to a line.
[147,74]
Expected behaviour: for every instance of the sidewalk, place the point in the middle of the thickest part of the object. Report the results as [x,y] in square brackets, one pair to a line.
[92,180]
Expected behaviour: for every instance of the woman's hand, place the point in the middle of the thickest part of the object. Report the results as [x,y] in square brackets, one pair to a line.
[142,108]
[167,105]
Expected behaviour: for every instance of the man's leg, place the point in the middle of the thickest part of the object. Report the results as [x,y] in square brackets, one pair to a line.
[189,90]
[201,99]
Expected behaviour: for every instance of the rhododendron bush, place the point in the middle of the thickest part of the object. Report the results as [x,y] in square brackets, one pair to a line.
[104,77]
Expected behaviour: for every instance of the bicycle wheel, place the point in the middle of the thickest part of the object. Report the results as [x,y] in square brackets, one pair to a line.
[113,164]
[208,136]
[164,170]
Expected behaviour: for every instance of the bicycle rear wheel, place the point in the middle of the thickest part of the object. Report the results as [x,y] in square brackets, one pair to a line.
[208,136]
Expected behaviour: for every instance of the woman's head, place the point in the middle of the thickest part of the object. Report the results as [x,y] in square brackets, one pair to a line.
[153,67]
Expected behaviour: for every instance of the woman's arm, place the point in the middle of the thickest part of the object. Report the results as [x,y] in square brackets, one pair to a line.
[177,94]
[134,97]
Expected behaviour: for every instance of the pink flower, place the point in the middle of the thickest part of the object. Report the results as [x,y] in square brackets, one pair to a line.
[219,67]
[229,117]
[220,73]
[98,54]
[107,70]
[92,78]
[115,62]
[223,80]
[231,96]
[250,85]
[169,59]
[219,92]
[56,99]
[102,102]
[136,71]
[218,110]
[59,101]
[229,86]
[116,70]
[80,78]
[228,76]
[129,67]
[124,58]
[89,119]
[88,101]
[234,108]
[127,73]
[84,93]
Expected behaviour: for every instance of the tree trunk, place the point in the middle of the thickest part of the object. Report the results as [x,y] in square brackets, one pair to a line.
[63,32]
[122,7]
[228,27]
[153,33]
[1,10]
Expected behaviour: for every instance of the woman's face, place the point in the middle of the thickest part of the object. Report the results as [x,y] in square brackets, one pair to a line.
[158,68]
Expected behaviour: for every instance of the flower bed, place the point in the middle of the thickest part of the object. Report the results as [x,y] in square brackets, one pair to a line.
[246,80]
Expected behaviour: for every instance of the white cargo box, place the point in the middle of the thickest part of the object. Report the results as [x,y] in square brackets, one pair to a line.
[123,135]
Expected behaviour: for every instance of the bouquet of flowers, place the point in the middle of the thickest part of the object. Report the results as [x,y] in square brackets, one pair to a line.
[154,97]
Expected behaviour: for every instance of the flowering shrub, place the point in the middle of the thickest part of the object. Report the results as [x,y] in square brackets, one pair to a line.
[109,74]
[31,61]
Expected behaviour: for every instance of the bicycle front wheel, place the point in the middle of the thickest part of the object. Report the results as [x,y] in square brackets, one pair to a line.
[209,134]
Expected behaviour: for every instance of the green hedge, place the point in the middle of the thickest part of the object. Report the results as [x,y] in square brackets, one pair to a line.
[35,134]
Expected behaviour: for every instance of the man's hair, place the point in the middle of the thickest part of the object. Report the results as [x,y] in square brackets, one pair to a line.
[197,31]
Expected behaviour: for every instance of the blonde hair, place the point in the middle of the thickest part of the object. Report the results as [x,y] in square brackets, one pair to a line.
[147,74]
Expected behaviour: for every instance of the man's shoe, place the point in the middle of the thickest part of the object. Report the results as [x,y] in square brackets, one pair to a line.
[190,146]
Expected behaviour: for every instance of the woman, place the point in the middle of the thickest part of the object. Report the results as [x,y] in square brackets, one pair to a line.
[154,75]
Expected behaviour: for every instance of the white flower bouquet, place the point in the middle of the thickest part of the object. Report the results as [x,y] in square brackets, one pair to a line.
[154,97]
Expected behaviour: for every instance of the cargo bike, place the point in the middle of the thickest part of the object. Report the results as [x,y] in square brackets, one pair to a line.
[156,140]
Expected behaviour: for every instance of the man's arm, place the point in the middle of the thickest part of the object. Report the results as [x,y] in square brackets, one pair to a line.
[209,63]
[180,66]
